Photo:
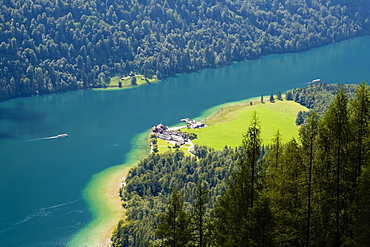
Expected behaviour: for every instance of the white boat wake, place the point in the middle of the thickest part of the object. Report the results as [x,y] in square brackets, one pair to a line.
[42,212]
[49,137]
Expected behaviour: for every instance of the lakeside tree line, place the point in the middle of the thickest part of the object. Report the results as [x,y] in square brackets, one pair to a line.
[307,192]
[53,46]
[317,97]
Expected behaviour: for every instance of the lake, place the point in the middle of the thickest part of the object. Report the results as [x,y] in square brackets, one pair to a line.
[42,177]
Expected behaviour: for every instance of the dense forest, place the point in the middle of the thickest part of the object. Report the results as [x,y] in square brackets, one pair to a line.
[317,97]
[53,46]
[307,192]
[149,185]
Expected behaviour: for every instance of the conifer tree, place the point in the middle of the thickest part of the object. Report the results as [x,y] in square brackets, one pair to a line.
[333,173]
[272,99]
[276,147]
[279,95]
[199,219]
[262,223]
[252,147]
[360,119]
[289,95]
[174,223]
[234,209]
[359,199]
[272,160]
[362,212]
[288,199]
[308,134]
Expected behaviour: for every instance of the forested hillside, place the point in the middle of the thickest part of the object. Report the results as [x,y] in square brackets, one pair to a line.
[317,97]
[150,183]
[52,46]
[308,192]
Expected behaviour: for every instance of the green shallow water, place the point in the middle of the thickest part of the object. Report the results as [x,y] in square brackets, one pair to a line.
[44,182]
[101,207]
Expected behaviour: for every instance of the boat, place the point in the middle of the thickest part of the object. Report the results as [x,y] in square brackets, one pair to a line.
[62,135]
[316,80]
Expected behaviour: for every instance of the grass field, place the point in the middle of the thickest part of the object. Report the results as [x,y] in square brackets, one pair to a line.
[126,83]
[163,147]
[227,126]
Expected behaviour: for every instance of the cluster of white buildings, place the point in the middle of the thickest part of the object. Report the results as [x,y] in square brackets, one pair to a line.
[193,124]
[164,133]
[171,135]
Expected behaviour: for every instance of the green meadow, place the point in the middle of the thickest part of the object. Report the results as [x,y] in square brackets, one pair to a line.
[225,128]
[126,82]
[164,146]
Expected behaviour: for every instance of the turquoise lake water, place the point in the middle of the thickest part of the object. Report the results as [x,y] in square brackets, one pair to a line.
[41,180]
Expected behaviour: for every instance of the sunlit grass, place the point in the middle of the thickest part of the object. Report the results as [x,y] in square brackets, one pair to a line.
[227,126]
[164,146]
[126,82]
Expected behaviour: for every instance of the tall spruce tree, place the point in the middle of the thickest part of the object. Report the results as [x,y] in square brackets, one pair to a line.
[276,146]
[308,134]
[287,197]
[272,160]
[199,219]
[252,147]
[232,221]
[334,172]
[174,223]
[360,119]
[262,223]
[362,212]
[360,197]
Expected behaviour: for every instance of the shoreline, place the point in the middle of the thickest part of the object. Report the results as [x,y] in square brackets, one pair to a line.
[106,207]
[102,191]
[102,195]
[226,122]
[115,87]
[215,110]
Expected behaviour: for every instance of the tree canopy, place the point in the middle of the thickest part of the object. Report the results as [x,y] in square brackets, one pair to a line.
[307,192]
[53,46]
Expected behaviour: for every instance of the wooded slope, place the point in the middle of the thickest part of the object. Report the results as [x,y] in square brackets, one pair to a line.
[52,46]
[313,191]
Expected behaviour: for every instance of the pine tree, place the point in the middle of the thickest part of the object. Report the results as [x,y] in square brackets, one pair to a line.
[262,223]
[279,95]
[252,147]
[199,219]
[360,119]
[308,134]
[276,147]
[299,120]
[233,212]
[333,173]
[362,212]
[289,95]
[360,180]
[288,199]
[272,99]
[174,223]
[272,160]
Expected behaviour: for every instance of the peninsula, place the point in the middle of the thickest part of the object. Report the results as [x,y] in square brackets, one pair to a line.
[225,123]
[216,190]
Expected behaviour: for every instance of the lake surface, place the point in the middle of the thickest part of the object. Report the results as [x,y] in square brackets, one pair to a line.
[41,180]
